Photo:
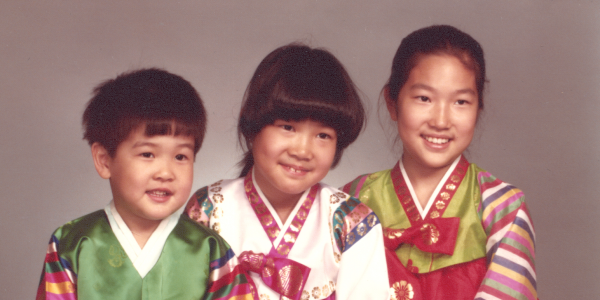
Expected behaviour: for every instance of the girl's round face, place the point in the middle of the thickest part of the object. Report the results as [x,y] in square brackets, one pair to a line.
[436,112]
[292,156]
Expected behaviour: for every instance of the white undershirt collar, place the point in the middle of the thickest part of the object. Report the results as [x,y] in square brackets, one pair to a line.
[289,220]
[423,212]
[143,259]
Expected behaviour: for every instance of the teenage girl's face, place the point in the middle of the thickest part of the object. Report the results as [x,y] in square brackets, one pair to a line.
[436,112]
[291,156]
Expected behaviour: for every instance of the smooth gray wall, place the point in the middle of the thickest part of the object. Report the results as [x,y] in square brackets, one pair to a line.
[539,130]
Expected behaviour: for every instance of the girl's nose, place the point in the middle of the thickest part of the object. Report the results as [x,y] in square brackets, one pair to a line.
[300,147]
[440,116]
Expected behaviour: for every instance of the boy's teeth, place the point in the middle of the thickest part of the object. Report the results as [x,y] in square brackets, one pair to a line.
[158,193]
[436,140]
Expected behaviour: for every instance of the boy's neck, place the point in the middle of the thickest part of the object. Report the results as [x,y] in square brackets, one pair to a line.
[140,228]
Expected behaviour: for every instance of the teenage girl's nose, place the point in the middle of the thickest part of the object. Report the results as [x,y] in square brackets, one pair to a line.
[300,147]
[164,171]
[440,115]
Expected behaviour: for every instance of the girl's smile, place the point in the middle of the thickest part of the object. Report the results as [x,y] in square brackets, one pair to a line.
[436,112]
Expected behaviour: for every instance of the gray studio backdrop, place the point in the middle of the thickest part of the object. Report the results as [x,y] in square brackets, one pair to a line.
[539,130]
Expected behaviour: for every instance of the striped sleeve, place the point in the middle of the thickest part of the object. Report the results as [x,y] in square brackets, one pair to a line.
[510,244]
[353,187]
[228,280]
[199,207]
[58,281]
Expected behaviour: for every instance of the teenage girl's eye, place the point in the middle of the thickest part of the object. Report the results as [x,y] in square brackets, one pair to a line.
[423,98]
[462,102]
[147,155]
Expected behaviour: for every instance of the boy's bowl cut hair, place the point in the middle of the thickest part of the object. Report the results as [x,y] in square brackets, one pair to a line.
[437,39]
[151,97]
[295,82]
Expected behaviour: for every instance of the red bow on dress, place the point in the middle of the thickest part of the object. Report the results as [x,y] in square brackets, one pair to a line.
[434,236]
[283,275]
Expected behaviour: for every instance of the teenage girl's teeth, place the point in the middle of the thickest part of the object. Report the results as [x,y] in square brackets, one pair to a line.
[436,140]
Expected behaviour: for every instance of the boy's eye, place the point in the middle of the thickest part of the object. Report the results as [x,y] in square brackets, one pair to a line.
[323,136]
[180,157]
[147,155]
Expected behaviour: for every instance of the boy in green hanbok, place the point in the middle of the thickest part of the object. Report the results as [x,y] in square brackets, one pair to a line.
[144,128]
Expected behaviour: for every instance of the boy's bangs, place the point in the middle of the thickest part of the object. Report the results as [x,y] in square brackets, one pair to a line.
[165,127]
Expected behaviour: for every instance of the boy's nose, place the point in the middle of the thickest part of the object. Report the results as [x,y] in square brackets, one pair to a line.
[164,173]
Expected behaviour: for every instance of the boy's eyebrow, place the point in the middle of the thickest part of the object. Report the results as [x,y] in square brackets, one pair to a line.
[145,143]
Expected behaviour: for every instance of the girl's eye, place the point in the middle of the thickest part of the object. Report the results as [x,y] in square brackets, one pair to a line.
[147,155]
[462,102]
[423,98]
[180,157]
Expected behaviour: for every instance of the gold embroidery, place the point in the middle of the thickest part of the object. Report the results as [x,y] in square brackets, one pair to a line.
[217,227]
[248,186]
[371,220]
[393,233]
[253,198]
[440,204]
[363,209]
[334,199]
[215,189]
[291,279]
[273,232]
[373,176]
[261,208]
[217,183]
[450,187]
[407,200]
[306,203]
[217,213]
[266,220]
[296,225]
[355,217]
[269,269]
[445,195]
[325,290]
[364,198]
[362,229]
[264,297]
[337,257]
[305,295]
[434,214]
[117,256]
[283,249]
[316,292]
[302,214]
[431,234]
[455,178]
[401,290]
[290,237]
[350,238]
[332,286]
[218,198]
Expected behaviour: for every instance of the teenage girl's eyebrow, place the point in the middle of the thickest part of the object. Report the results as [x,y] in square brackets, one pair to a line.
[421,86]
[149,144]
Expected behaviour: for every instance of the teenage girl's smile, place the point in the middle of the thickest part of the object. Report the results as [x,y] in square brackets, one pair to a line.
[436,112]
[291,156]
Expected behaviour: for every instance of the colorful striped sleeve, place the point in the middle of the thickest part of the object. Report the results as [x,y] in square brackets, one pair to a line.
[199,207]
[58,281]
[510,244]
[228,280]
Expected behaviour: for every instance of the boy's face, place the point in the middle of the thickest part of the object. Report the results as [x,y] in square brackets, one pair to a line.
[150,177]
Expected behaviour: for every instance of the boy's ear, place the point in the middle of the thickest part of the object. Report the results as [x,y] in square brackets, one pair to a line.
[391,104]
[101,160]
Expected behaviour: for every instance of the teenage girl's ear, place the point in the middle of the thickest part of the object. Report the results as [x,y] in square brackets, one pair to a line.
[390,103]
[101,160]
